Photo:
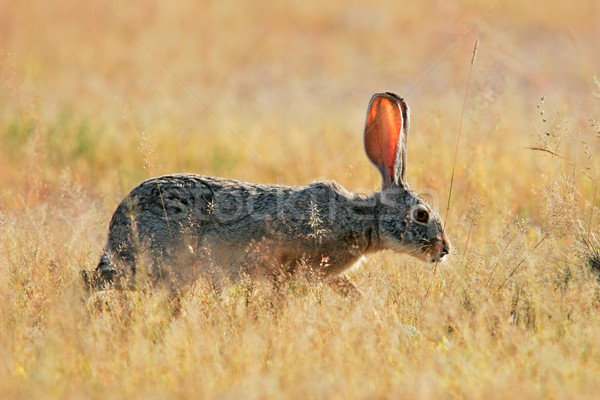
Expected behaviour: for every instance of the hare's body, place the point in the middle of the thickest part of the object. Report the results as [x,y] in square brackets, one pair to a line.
[237,227]
[182,226]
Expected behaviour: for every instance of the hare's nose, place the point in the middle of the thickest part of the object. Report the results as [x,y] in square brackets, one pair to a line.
[445,250]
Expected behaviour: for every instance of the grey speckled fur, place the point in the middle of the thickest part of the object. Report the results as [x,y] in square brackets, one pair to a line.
[186,225]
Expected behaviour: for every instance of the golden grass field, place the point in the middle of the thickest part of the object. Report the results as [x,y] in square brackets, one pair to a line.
[98,95]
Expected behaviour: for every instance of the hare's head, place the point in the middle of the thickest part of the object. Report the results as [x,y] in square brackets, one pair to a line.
[407,222]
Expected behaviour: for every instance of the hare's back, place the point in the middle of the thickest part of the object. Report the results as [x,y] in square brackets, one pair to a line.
[188,196]
[161,209]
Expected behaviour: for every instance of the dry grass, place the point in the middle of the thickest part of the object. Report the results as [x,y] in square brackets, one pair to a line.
[276,92]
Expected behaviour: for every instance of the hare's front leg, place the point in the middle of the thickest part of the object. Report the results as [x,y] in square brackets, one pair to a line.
[343,286]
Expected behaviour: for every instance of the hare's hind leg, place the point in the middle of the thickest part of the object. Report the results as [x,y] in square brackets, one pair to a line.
[103,277]
[343,286]
[107,275]
[98,279]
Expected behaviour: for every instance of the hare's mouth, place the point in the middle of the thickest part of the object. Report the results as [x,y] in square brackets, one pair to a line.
[435,253]
[424,253]
[439,258]
[429,253]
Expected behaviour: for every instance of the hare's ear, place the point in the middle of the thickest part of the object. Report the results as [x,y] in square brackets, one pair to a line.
[386,136]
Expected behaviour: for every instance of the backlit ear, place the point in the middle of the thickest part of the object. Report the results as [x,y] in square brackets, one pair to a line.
[386,136]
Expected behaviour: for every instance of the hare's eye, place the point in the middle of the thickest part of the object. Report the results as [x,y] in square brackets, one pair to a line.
[421,215]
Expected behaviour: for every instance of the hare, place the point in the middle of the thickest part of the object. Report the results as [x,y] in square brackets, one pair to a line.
[189,225]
